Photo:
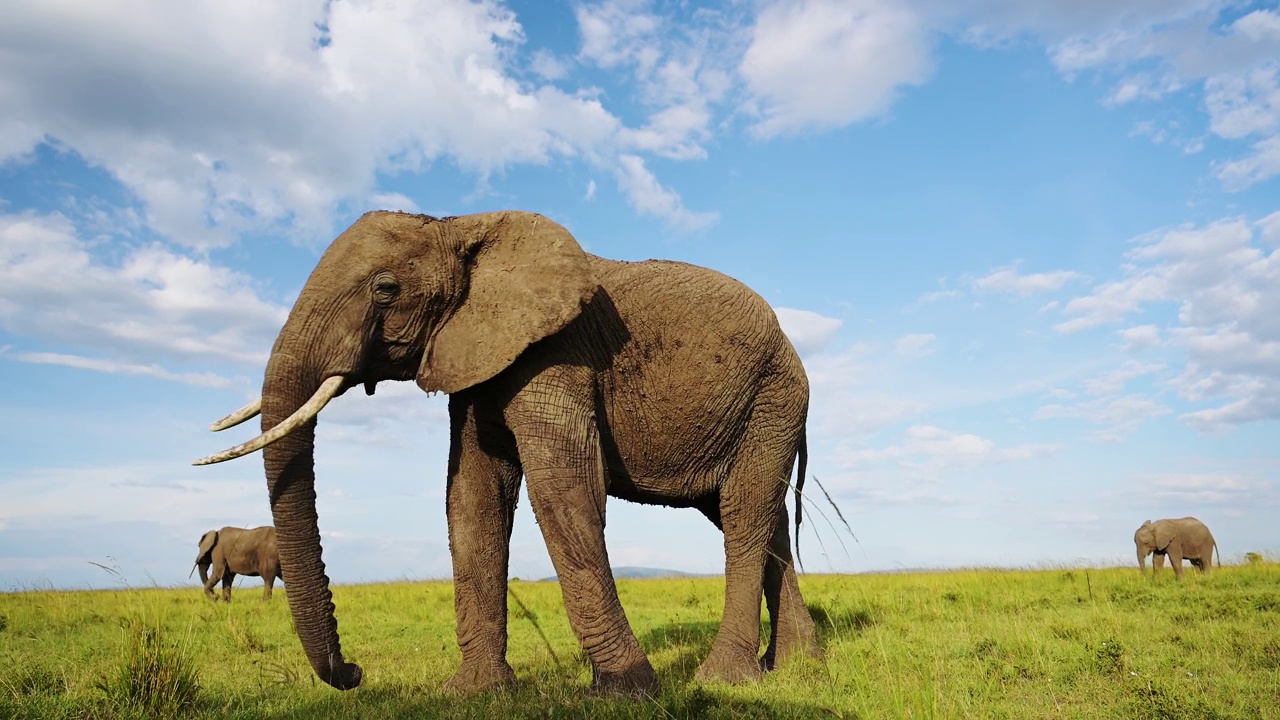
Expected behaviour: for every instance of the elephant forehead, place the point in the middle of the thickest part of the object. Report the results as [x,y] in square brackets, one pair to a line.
[377,238]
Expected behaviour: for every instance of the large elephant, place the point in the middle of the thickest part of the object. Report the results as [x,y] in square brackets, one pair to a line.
[1177,538]
[231,551]
[657,382]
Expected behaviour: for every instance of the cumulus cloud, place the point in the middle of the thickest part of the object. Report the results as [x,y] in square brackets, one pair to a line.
[153,304]
[1157,48]
[1223,280]
[1139,337]
[808,331]
[222,118]
[827,63]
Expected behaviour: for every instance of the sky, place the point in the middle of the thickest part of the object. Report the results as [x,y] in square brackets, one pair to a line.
[1027,251]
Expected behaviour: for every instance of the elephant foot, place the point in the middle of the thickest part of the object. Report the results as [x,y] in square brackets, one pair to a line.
[474,678]
[730,666]
[639,680]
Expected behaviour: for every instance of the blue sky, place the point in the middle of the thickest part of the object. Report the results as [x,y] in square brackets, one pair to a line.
[1028,252]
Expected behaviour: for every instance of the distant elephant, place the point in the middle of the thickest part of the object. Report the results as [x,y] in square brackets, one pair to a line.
[656,382]
[231,551]
[1178,538]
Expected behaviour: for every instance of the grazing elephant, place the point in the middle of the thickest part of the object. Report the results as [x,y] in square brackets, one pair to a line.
[656,382]
[231,551]
[1178,538]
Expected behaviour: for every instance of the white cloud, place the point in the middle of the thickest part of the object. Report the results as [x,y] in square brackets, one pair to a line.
[828,63]
[1201,267]
[1007,280]
[845,399]
[648,196]
[393,201]
[177,496]
[226,117]
[591,190]
[154,305]
[808,331]
[1140,337]
[931,446]
[1113,381]
[548,66]
[119,368]
[1153,48]
[1190,489]
[915,345]
[1118,415]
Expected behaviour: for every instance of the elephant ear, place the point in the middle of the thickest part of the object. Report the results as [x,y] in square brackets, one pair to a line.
[207,541]
[1165,534]
[527,278]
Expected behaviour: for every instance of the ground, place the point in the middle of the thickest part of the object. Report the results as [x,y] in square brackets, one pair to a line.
[1065,642]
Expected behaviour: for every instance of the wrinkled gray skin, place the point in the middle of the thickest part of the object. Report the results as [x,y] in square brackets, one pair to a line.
[1177,538]
[235,551]
[656,382]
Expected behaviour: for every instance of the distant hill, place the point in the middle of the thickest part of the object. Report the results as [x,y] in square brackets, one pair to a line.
[631,573]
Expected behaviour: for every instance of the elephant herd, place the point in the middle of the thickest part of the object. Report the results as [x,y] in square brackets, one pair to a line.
[656,382]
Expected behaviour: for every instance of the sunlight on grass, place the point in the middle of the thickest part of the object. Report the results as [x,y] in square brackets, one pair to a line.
[1061,642]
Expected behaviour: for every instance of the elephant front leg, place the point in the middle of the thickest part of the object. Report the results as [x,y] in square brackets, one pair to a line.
[484,483]
[204,582]
[227,578]
[214,578]
[565,474]
[791,626]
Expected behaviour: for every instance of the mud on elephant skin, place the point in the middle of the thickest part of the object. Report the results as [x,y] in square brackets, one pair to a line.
[235,551]
[656,382]
[1176,538]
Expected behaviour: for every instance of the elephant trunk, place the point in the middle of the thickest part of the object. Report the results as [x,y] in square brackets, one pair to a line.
[291,483]
[1142,558]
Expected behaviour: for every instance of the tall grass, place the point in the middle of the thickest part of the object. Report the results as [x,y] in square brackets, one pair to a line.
[1063,642]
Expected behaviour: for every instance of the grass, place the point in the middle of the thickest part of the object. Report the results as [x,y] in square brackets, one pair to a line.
[1062,643]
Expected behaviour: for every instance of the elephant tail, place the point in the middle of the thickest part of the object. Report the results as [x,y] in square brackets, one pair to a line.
[802,468]
[1215,553]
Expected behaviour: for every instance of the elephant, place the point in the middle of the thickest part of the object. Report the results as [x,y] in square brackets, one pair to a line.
[231,551]
[1178,538]
[656,382]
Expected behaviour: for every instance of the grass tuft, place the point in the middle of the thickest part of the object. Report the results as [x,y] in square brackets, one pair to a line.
[154,678]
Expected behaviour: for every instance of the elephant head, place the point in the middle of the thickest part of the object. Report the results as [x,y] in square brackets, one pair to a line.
[1152,537]
[447,302]
[207,541]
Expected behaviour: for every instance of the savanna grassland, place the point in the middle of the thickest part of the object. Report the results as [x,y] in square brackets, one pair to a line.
[976,643]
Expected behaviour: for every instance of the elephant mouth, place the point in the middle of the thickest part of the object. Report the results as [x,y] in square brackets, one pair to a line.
[328,390]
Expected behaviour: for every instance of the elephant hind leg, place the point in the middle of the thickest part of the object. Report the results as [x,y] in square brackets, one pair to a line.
[791,626]
[751,500]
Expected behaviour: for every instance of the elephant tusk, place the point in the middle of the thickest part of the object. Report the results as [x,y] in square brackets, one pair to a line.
[300,417]
[239,416]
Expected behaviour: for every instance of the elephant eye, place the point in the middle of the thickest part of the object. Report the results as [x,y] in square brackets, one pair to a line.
[386,289]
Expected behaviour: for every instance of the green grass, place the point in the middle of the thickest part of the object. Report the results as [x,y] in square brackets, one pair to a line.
[1063,643]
